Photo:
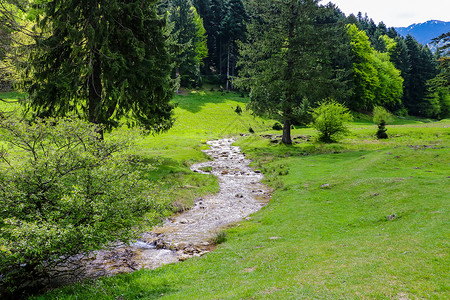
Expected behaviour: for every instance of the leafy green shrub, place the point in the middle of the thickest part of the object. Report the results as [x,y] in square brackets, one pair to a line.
[64,192]
[381,114]
[277,126]
[330,120]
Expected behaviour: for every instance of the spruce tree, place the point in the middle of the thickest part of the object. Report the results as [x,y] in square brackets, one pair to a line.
[423,68]
[187,41]
[232,30]
[102,60]
[286,57]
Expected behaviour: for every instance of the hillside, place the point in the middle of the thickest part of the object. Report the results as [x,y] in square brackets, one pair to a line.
[425,32]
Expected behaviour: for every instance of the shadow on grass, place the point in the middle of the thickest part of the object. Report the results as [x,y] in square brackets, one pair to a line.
[196,100]
[144,284]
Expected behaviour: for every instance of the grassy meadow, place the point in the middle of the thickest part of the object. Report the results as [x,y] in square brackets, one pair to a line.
[358,219]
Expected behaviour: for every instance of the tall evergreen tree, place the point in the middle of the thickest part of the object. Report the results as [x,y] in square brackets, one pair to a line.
[444,59]
[212,13]
[438,94]
[103,60]
[422,69]
[286,57]
[187,41]
[232,29]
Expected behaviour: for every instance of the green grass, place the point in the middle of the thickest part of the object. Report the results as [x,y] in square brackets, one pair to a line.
[9,104]
[359,219]
[200,116]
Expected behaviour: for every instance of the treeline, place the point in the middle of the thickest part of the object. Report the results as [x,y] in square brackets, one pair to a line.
[388,69]
[206,39]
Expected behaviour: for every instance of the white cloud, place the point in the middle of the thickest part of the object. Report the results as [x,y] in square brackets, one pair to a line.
[397,13]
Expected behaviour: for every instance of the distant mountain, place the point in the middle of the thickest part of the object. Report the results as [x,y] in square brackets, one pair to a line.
[425,32]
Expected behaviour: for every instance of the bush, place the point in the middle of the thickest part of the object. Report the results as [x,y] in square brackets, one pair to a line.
[381,114]
[277,126]
[381,133]
[64,192]
[329,120]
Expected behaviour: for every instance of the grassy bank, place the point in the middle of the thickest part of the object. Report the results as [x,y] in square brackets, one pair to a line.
[200,116]
[357,219]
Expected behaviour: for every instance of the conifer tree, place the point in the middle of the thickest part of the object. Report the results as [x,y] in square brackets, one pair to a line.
[285,59]
[187,41]
[232,30]
[102,60]
[423,68]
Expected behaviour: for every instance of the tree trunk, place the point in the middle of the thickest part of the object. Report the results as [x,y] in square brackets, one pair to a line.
[228,69]
[95,93]
[287,111]
[220,58]
[287,132]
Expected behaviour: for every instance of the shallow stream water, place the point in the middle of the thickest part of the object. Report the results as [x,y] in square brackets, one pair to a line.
[192,232]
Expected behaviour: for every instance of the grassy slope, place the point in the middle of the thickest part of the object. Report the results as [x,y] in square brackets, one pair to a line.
[312,242]
[200,116]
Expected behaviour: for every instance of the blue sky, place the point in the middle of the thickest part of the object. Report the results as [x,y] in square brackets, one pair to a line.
[397,13]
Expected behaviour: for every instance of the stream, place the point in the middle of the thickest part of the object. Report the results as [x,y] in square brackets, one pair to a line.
[191,233]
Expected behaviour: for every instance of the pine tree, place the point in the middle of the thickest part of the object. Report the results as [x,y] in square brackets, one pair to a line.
[102,60]
[423,68]
[212,12]
[232,30]
[286,57]
[188,41]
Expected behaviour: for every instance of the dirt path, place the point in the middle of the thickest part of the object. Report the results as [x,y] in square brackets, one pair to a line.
[190,233]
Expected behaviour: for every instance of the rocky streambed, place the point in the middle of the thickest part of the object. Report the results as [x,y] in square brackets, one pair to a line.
[192,232]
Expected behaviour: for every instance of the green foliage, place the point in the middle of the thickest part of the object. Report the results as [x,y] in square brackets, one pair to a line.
[187,41]
[381,132]
[103,61]
[302,113]
[224,21]
[15,39]
[286,58]
[381,114]
[376,80]
[277,126]
[330,120]
[365,74]
[438,97]
[238,110]
[390,90]
[423,68]
[65,192]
